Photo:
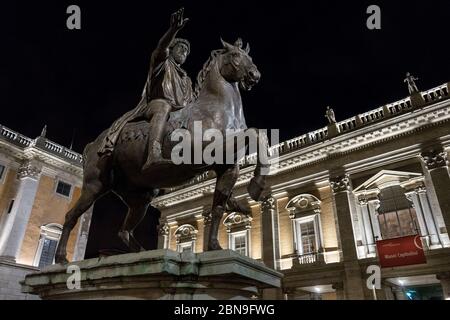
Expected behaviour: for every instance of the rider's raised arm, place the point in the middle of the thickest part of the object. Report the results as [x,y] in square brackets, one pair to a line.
[162,50]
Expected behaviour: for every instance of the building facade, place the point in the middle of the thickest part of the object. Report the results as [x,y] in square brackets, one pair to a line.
[337,191]
[39,182]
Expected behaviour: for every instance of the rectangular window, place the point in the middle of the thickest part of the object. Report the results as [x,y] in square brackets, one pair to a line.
[240,243]
[48,252]
[308,237]
[63,188]
[2,171]
[186,247]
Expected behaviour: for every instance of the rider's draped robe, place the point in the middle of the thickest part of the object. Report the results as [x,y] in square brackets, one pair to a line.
[166,81]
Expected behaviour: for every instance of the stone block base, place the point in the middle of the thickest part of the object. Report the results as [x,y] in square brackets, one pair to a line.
[158,274]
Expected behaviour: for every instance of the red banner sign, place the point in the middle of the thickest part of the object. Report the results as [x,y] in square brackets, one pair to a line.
[402,251]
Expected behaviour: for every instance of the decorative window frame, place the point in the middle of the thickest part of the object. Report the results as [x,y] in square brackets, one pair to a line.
[72,187]
[186,236]
[305,208]
[48,231]
[297,233]
[232,240]
[238,224]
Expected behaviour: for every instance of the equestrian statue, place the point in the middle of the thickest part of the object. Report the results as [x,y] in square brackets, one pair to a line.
[133,157]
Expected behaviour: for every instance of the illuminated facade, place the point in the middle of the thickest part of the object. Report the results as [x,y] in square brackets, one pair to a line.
[39,182]
[379,175]
[338,190]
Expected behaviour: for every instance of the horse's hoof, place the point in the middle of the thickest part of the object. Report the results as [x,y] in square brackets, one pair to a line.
[61,259]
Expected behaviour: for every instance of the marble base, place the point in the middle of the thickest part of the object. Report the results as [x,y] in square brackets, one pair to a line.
[158,274]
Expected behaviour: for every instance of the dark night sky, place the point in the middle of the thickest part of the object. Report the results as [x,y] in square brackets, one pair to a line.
[311,54]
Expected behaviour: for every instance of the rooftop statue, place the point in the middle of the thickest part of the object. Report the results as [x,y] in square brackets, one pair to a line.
[410,80]
[131,159]
[330,115]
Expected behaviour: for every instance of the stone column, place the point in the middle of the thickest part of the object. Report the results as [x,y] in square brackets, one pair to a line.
[339,287]
[370,241]
[435,162]
[413,197]
[16,225]
[319,239]
[428,215]
[83,234]
[207,218]
[353,280]
[341,188]
[289,293]
[270,236]
[388,292]
[399,293]
[444,277]
[163,235]
[373,205]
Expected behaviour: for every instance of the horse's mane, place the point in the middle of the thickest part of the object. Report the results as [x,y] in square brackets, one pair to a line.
[205,70]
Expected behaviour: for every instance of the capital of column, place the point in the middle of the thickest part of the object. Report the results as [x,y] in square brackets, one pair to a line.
[28,170]
[207,217]
[163,229]
[410,196]
[269,203]
[376,204]
[434,159]
[362,201]
[340,183]
[420,189]
[367,196]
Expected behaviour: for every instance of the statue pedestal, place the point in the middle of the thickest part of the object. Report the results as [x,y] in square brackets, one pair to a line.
[158,274]
[417,100]
[333,130]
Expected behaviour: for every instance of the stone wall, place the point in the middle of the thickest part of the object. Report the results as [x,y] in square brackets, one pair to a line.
[10,276]
[48,207]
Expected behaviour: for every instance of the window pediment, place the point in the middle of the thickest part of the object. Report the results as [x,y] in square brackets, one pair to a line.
[236,221]
[387,178]
[303,205]
[185,233]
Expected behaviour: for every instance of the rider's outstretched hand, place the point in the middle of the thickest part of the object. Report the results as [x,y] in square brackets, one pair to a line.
[176,20]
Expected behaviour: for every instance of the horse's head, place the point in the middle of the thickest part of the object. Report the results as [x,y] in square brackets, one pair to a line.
[237,65]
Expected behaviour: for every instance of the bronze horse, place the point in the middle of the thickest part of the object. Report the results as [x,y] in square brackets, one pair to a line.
[218,105]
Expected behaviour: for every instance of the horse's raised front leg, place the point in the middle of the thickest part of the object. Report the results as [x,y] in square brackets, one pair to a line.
[226,179]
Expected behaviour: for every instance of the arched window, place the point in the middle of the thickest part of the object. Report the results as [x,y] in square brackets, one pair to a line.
[186,235]
[396,216]
[238,229]
[48,241]
[304,210]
